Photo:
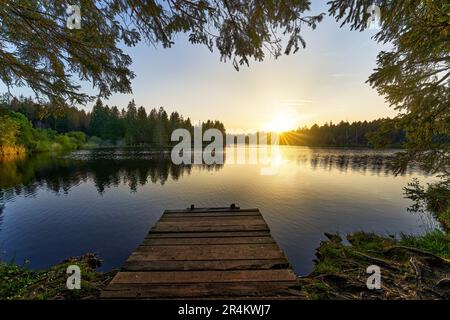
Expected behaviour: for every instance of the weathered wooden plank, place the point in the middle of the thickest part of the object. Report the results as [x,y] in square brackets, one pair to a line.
[206,241]
[182,222]
[218,219]
[210,252]
[220,209]
[155,235]
[208,228]
[164,265]
[259,290]
[212,214]
[274,290]
[204,276]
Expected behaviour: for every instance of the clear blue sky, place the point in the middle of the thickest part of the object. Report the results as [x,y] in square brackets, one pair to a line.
[325,81]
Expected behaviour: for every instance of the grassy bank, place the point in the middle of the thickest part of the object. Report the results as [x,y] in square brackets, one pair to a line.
[444,218]
[407,272]
[412,267]
[19,283]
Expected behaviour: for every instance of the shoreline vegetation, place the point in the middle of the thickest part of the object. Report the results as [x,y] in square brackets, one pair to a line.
[19,283]
[18,137]
[408,272]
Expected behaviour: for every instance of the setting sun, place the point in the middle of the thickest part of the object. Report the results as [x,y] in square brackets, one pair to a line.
[284,121]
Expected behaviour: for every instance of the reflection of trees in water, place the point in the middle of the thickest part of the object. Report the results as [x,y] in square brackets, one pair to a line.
[61,174]
[134,173]
[108,170]
[379,164]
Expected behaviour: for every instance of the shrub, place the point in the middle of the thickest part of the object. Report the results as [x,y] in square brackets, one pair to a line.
[17,133]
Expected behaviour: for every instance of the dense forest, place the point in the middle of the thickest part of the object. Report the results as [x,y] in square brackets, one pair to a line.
[376,133]
[107,125]
[134,126]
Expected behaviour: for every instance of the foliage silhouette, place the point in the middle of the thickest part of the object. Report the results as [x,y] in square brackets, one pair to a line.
[39,51]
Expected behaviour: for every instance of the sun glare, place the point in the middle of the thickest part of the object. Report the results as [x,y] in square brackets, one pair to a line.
[284,121]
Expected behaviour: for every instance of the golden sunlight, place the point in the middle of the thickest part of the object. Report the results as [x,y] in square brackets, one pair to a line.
[284,121]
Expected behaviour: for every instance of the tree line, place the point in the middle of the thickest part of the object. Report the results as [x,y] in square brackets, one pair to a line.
[380,132]
[108,125]
[135,126]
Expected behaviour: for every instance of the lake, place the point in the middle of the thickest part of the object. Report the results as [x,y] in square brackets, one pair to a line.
[106,200]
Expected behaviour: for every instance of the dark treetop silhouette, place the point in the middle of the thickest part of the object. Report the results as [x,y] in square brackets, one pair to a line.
[39,51]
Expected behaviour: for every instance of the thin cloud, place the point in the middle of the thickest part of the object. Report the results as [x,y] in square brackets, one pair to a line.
[340,75]
[295,103]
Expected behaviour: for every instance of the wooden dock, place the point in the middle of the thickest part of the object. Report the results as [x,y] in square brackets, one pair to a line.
[206,253]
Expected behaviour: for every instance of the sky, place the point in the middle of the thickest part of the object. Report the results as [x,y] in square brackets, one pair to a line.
[324,82]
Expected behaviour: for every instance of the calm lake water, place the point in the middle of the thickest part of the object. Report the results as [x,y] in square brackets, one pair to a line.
[105,201]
